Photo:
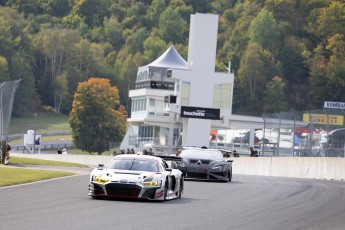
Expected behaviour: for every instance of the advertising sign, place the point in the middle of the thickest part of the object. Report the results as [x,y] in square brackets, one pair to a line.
[201,113]
[323,119]
[334,105]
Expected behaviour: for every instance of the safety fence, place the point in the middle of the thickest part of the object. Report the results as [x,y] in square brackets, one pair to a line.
[323,136]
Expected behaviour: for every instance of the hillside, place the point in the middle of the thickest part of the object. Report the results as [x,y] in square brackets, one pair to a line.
[286,55]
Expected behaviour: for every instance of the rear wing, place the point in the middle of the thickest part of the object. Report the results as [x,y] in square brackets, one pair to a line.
[170,158]
[171,161]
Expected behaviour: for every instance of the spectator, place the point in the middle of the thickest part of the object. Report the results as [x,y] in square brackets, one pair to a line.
[149,151]
[64,152]
[178,152]
[7,154]
[59,151]
[145,152]
[226,154]
[122,151]
[235,153]
[132,151]
[253,153]
[128,151]
[114,153]
[38,141]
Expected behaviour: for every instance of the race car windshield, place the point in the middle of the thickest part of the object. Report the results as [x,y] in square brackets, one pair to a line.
[207,155]
[134,165]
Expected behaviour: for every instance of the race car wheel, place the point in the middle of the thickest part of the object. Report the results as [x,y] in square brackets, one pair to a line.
[230,174]
[181,187]
[166,185]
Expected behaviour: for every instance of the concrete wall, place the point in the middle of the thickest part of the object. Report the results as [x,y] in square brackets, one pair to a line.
[299,167]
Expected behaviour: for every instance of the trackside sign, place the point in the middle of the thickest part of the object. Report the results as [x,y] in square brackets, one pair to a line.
[334,105]
[323,119]
[201,113]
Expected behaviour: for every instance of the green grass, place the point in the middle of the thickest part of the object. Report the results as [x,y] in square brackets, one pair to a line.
[13,176]
[45,122]
[32,161]
[44,138]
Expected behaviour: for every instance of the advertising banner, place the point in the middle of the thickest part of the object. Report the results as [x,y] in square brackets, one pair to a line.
[201,113]
[323,119]
[334,105]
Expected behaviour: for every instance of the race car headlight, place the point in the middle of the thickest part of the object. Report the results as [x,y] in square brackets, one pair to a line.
[219,167]
[180,164]
[153,183]
[100,180]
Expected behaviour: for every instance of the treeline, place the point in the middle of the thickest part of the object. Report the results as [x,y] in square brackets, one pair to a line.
[286,54]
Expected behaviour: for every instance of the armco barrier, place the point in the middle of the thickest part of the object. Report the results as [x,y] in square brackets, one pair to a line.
[328,168]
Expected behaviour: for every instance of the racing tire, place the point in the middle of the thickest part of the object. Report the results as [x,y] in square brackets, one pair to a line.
[230,175]
[181,187]
[165,193]
[94,197]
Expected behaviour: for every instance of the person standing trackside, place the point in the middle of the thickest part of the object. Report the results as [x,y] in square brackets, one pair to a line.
[235,153]
[178,152]
[149,151]
[253,153]
[7,154]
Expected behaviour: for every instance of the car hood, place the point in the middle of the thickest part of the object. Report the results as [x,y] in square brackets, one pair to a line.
[204,162]
[126,175]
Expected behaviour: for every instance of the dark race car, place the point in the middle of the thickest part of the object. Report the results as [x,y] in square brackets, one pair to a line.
[205,164]
[136,176]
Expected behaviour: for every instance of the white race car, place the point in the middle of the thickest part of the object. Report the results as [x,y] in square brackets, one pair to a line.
[137,176]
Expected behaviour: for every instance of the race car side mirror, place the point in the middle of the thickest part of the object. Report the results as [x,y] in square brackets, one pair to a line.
[169,169]
[100,166]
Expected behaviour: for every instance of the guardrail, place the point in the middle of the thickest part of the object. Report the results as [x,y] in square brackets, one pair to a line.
[45,147]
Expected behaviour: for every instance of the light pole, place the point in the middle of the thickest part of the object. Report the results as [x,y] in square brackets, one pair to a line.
[35,118]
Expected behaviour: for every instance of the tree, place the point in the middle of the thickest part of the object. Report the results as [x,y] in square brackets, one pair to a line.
[172,27]
[154,11]
[275,99]
[55,52]
[16,58]
[113,32]
[257,66]
[154,46]
[264,30]
[3,69]
[97,117]
[331,20]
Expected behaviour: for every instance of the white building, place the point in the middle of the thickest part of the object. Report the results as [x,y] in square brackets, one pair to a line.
[178,103]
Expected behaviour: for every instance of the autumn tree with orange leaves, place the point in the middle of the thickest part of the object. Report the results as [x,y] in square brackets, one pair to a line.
[97,117]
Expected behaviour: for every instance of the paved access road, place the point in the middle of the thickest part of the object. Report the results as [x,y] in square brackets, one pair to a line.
[249,202]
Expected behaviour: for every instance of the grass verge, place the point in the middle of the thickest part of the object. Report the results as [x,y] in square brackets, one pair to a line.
[45,122]
[32,161]
[14,176]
